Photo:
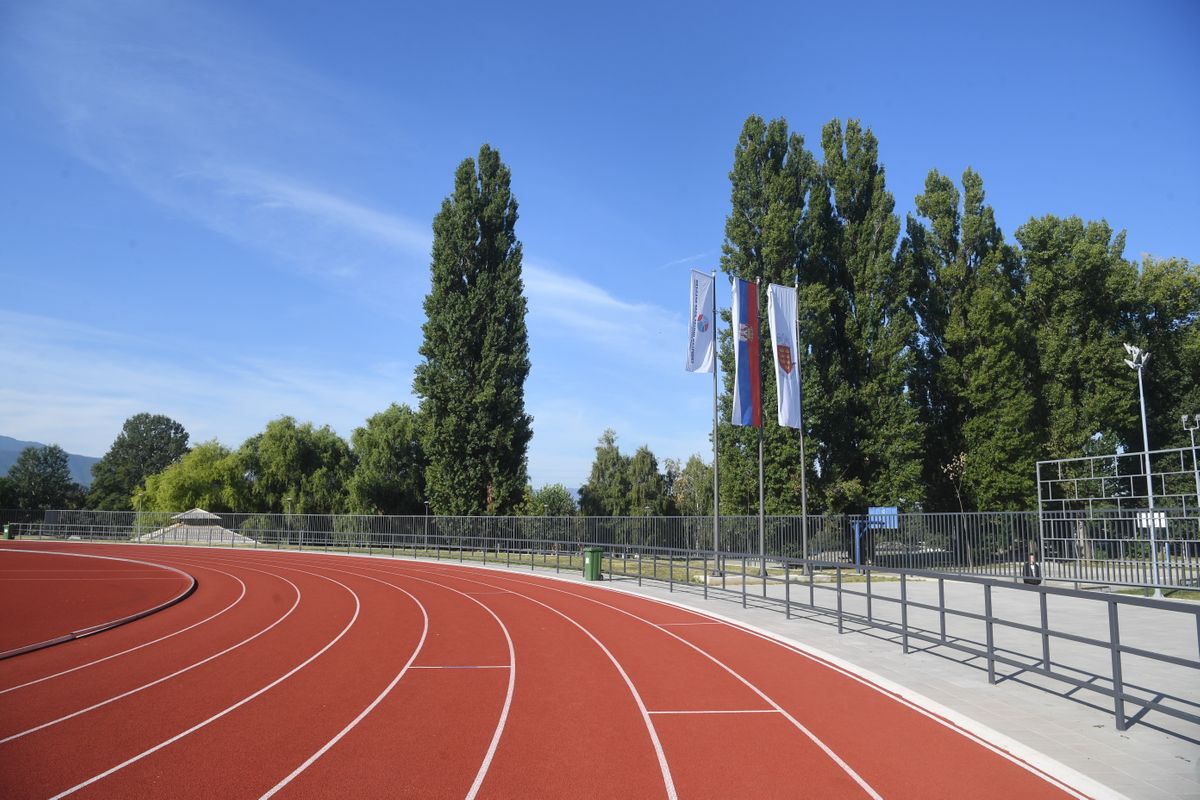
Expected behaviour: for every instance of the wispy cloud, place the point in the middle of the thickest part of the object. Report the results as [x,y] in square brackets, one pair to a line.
[191,110]
[685,260]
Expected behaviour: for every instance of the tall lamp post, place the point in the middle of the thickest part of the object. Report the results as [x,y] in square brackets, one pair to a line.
[1191,429]
[1137,362]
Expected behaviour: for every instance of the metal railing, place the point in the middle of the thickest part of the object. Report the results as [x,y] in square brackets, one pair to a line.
[967,614]
[1099,548]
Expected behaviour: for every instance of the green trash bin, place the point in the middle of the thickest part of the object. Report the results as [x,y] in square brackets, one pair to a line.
[7,532]
[593,560]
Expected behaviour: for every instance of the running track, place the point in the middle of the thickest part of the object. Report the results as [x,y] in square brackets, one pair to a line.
[310,675]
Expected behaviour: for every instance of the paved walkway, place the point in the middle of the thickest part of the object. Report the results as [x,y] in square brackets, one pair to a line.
[1156,758]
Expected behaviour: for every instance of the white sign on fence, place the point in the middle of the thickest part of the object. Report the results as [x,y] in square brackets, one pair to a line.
[1144,521]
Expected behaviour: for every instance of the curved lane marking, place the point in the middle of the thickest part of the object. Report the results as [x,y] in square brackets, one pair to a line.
[937,712]
[511,667]
[668,781]
[157,681]
[235,706]
[833,756]
[236,601]
[103,626]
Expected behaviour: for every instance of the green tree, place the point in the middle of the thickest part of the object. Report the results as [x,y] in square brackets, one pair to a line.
[768,184]
[999,433]
[476,351]
[1081,306]
[41,479]
[973,379]
[209,476]
[389,477]
[554,500]
[1169,328]
[146,445]
[607,491]
[864,419]
[310,466]
[692,489]
[647,489]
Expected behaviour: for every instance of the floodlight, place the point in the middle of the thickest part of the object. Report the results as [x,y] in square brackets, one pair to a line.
[1130,349]
[1130,364]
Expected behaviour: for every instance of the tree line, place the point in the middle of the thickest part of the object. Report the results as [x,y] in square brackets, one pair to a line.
[939,360]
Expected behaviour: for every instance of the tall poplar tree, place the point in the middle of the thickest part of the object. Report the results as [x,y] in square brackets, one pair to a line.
[974,374]
[476,348]
[769,181]
[865,413]
[1081,303]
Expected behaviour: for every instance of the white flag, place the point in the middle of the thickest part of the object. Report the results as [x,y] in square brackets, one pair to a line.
[781,312]
[701,325]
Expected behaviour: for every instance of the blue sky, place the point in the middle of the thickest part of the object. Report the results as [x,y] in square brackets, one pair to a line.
[221,211]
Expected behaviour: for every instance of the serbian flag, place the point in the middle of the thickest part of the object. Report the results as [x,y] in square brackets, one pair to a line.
[747,383]
[700,324]
[781,315]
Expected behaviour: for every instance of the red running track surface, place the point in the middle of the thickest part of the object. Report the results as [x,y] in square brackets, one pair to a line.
[48,595]
[303,675]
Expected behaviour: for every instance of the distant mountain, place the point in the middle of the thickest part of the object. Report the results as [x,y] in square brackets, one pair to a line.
[80,466]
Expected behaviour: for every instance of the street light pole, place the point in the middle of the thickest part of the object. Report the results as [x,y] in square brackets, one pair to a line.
[1191,429]
[1137,361]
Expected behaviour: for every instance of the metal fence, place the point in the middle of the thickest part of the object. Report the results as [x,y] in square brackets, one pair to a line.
[1084,548]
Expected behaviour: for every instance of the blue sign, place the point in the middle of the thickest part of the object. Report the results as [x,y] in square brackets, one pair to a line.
[886,517]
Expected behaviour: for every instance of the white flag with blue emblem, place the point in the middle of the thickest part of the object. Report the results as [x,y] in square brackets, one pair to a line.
[701,325]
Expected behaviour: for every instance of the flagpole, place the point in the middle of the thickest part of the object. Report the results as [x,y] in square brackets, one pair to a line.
[803,460]
[762,542]
[716,570]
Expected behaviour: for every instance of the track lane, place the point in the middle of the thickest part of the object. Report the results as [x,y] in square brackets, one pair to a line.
[80,594]
[909,753]
[291,717]
[560,712]
[43,702]
[697,684]
[462,675]
[138,724]
[217,593]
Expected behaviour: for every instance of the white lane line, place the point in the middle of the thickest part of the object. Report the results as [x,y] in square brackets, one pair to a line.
[237,600]
[723,711]
[73,579]
[370,706]
[668,781]
[833,756]
[461,666]
[511,667]
[157,681]
[944,716]
[680,624]
[234,707]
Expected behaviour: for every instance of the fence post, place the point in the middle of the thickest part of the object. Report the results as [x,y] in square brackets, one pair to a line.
[942,606]
[991,644]
[704,564]
[1045,631]
[904,611]
[1114,634]
[839,598]
[743,582]
[787,590]
[870,618]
